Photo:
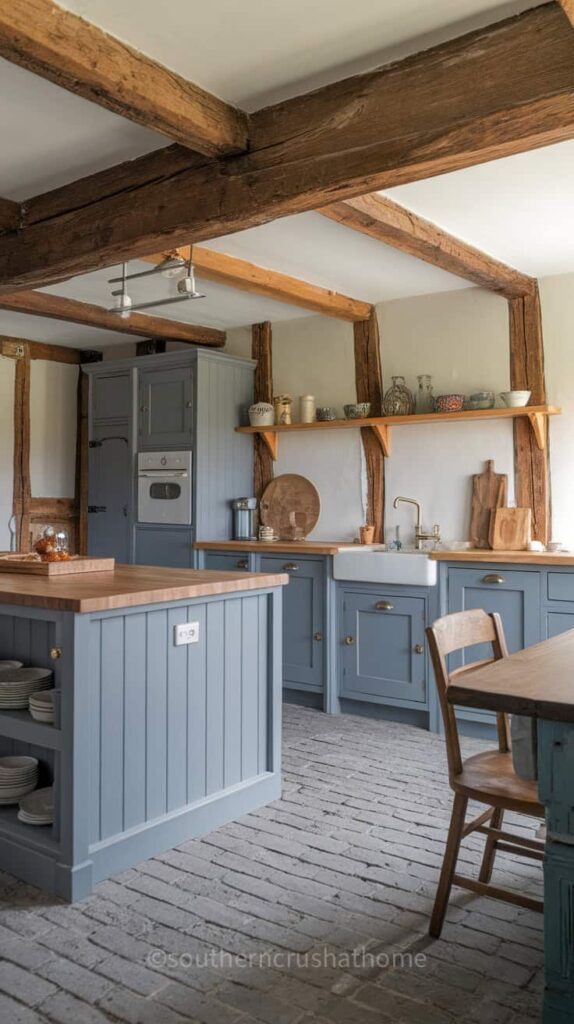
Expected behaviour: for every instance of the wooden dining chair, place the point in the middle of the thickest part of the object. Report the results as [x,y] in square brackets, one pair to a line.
[489,777]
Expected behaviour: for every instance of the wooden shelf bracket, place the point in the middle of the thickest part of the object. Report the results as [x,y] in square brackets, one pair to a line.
[272,441]
[538,423]
[383,434]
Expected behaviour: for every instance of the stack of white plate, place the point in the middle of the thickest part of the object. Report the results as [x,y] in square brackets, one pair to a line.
[42,706]
[18,776]
[38,808]
[16,685]
[10,664]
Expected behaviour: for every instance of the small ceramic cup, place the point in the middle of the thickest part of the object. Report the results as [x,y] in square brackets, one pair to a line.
[367,533]
[554,545]
[325,413]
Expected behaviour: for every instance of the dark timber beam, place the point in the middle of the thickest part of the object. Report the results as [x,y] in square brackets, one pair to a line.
[9,215]
[392,224]
[56,307]
[492,93]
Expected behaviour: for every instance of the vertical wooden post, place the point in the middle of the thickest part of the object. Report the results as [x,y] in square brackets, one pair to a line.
[21,494]
[369,384]
[82,465]
[261,351]
[527,374]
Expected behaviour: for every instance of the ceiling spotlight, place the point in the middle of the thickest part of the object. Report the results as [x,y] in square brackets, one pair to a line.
[124,303]
[171,265]
[186,286]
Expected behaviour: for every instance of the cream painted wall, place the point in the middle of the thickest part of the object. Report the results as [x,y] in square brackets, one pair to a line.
[461,338]
[7,376]
[53,416]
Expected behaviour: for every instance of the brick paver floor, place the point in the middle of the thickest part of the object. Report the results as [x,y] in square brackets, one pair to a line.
[313,910]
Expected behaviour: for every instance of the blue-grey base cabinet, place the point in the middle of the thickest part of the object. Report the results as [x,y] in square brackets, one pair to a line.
[155,743]
[382,645]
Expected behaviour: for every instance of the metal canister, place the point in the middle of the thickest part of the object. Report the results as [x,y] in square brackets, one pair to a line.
[244,518]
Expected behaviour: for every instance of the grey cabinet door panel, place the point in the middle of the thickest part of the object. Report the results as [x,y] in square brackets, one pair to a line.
[165,408]
[164,546]
[303,620]
[384,657]
[228,561]
[110,489]
[558,622]
[111,397]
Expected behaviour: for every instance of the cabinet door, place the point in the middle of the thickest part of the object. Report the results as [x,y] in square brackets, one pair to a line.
[164,545]
[558,622]
[383,647]
[303,620]
[111,397]
[166,408]
[227,561]
[109,495]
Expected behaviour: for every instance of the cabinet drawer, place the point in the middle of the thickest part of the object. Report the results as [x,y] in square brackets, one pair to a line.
[561,586]
[227,561]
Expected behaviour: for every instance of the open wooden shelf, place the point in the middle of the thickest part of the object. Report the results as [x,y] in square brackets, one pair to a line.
[381,425]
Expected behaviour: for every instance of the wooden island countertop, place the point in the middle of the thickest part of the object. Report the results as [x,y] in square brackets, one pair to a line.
[537,682]
[127,586]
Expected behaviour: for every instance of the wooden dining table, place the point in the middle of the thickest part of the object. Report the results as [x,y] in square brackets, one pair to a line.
[539,682]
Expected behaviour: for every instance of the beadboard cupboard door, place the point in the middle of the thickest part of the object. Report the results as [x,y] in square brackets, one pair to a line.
[303,620]
[383,647]
[166,408]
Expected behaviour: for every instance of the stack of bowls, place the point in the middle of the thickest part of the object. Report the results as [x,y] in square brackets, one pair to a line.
[16,685]
[38,808]
[42,706]
[18,776]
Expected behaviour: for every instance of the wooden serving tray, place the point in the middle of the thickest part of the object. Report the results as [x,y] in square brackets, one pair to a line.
[78,563]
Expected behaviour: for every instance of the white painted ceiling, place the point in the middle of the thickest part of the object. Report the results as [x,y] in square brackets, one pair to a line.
[252,53]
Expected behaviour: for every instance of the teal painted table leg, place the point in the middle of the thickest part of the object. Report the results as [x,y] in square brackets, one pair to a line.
[556,786]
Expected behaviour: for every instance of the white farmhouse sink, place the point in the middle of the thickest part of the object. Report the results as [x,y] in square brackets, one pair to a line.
[370,564]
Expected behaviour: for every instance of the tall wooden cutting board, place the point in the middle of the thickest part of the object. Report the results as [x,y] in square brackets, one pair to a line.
[510,529]
[489,491]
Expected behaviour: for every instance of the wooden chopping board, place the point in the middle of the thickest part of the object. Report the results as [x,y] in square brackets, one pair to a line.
[489,491]
[510,529]
[76,564]
[291,505]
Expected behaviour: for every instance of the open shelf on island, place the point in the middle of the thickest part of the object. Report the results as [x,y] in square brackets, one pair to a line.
[19,725]
[381,425]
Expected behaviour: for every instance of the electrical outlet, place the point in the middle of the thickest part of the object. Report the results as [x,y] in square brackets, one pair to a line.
[186,633]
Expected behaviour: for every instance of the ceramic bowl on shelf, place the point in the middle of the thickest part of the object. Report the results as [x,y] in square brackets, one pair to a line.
[515,399]
[480,400]
[262,414]
[449,403]
[357,410]
[325,413]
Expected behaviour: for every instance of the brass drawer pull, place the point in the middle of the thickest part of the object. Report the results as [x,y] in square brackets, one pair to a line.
[384,606]
[419,649]
[493,577]
[318,637]
[349,640]
[290,567]
[243,563]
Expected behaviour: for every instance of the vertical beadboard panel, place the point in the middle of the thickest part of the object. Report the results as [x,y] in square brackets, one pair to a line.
[135,720]
[41,634]
[250,688]
[197,707]
[95,732]
[176,714]
[232,694]
[215,697]
[112,726]
[156,717]
[22,640]
[263,679]
[6,636]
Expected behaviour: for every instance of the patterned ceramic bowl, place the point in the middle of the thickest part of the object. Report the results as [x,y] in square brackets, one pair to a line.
[449,403]
[357,411]
[325,412]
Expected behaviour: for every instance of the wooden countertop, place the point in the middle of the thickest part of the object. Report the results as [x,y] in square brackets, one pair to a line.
[126,586]
[537,682]
[504,557]
[295,547]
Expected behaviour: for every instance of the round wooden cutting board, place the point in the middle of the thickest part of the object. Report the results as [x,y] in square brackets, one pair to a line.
[291,505]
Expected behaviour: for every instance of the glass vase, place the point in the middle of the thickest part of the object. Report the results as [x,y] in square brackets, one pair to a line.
[425,397]
[398,400]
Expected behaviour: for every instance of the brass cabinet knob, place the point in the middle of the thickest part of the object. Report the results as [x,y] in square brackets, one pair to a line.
[243,563]
[318,636]
[419,649]
[55,653]
[493,577]
[290,567]
[349,640]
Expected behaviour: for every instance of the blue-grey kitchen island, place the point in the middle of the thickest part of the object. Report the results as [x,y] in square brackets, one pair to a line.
[168,720]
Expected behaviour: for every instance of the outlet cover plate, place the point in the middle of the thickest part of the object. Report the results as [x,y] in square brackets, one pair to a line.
[186,633]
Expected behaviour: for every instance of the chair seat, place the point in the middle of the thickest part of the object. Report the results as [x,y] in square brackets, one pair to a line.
[490,778]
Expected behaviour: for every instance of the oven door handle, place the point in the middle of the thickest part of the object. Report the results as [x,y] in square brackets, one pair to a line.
[162,474]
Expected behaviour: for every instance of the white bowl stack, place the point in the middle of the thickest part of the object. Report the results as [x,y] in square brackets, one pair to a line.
[18,776]
[42,706]
[17,684]
[38,807]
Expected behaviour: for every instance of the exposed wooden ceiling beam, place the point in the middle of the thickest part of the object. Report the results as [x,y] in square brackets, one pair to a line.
[248,277]
[498,91]
[9,215]
[56,307]
[568,7]
[392,224]
[69,51]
